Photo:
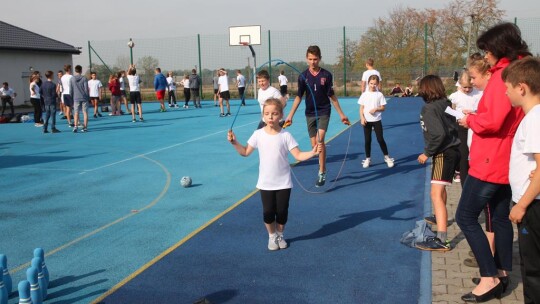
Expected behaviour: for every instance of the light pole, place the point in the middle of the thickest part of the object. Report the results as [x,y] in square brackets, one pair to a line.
[470,33]
[131,44]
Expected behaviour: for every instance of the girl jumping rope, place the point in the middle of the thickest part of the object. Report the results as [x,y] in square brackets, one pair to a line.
[372,104]
[274,181]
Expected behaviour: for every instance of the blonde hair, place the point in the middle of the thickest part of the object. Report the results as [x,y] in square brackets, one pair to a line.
[274,102]
[465,79]
[478,62]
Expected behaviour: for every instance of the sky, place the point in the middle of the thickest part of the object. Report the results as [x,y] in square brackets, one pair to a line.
[77,22]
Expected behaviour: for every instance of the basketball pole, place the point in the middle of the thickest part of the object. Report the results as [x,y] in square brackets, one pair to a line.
[254,70]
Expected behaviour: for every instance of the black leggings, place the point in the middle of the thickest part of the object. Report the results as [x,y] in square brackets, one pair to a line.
[275,205]
[187,95]
[377,126]
[172,97]
[38,111]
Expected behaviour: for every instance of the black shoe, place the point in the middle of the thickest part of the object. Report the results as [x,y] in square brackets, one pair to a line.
[141,119]
[431,220]
[55,130]
[99,114]
[64,117]
[504,280]
[321,179]
[45,131]
[470,262]
[95,115]
[221,115]
[495,292]
[74,130]
[228,114]
[433,244]
[84,130]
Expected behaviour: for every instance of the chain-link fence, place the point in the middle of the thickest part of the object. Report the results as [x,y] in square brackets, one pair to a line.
[207,53]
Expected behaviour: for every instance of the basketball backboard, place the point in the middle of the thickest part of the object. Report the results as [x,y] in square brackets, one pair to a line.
[240,35]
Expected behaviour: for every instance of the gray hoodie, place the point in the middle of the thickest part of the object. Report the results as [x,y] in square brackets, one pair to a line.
[79,88]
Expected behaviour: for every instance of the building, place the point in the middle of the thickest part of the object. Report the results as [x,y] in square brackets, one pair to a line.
[22,52]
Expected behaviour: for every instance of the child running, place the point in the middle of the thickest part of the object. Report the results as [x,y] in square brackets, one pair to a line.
[441,144]
[372,104]
[274,181]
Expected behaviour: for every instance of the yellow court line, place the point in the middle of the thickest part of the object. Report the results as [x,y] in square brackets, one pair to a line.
[77,240]
[170,249]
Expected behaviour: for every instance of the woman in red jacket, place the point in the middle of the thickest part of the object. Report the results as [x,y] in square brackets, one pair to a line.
[494,126]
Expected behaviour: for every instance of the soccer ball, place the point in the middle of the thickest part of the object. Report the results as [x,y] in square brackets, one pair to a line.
[131,44]
[185,181]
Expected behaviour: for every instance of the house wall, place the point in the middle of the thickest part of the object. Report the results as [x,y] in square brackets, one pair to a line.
[17,65]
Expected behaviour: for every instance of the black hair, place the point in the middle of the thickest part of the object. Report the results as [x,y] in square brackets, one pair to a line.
[503,40]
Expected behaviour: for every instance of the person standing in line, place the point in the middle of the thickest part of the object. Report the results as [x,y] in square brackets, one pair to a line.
[372,104]
[48,90]
[318,85]
[160,85]
[79,88]
[94,87]
[522,80]
[7,95]
[441,143]
[370,71]
[35,99]
[224,92]
[60,101]
[123,95]
[241,85]
[275,183]
[66,93]
[171,88]
[216,88]
[194,86]
[494,125]
[135,93]
[282,79]
[187,92]
[266,91]
[114,87]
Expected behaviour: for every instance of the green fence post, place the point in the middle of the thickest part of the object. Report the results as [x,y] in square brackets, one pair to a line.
[269,57]
[425,49]
[200,66]
[90,55]
[344,62]
[515,20]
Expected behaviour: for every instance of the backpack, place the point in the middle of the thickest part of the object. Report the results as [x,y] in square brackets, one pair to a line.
[420,233]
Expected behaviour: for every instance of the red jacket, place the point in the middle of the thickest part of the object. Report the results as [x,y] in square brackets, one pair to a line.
[114,87]
[494,126]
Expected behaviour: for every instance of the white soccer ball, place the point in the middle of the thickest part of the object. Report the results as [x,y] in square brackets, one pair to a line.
[131,44]
[185,181]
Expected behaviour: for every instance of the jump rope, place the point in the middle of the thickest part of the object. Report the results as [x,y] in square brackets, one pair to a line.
[282,62]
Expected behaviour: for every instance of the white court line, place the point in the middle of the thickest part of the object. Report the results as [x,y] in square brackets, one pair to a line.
[160,149]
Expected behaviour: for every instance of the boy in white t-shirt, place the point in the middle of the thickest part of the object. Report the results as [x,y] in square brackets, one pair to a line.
[266,91]
[223,90]
[283,83]
[522,80]
[372,104]
[370,71]
[94,88]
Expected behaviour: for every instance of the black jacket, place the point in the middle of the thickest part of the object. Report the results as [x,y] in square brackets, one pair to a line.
[439,128]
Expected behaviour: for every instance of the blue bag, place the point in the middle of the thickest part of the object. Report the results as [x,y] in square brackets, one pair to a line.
[419,234]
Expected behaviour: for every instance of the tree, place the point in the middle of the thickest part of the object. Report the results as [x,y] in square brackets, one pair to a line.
[145,67]
[122,62]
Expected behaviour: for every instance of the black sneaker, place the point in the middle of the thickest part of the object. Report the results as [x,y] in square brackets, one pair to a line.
[228,114]
[55,130]
[84,130]
[71,125]
[141,119]
[221,115]
[431,220]
[74,130]
[45,131]
[99,114]
[433,244]
[95,115]
[320,180]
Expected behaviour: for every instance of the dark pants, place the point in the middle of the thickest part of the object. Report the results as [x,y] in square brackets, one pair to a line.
[187,95]
[377,126]
[172,97]
[529,251]
[9,100]
[50,112]
[275,205]
[38,111]
[464,151]
[474,197]
[242,95]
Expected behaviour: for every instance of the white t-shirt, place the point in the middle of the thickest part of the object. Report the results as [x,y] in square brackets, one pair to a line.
[185,83]
[134,83]
[94,85]
[466,101]
[241,81]
[264,95]
[6,92]
[526,143]
[171,84]
[66,80]
[371,100]
[367,74]
[35,94]
[274,168]
[223,83]
[122,84]
[282,80]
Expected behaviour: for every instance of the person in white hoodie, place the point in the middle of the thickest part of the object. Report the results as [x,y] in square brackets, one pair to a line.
[79,90]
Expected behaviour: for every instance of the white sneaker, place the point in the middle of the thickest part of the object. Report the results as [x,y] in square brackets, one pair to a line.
[281,242]
[389,161]
[366,162]
[272,243]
